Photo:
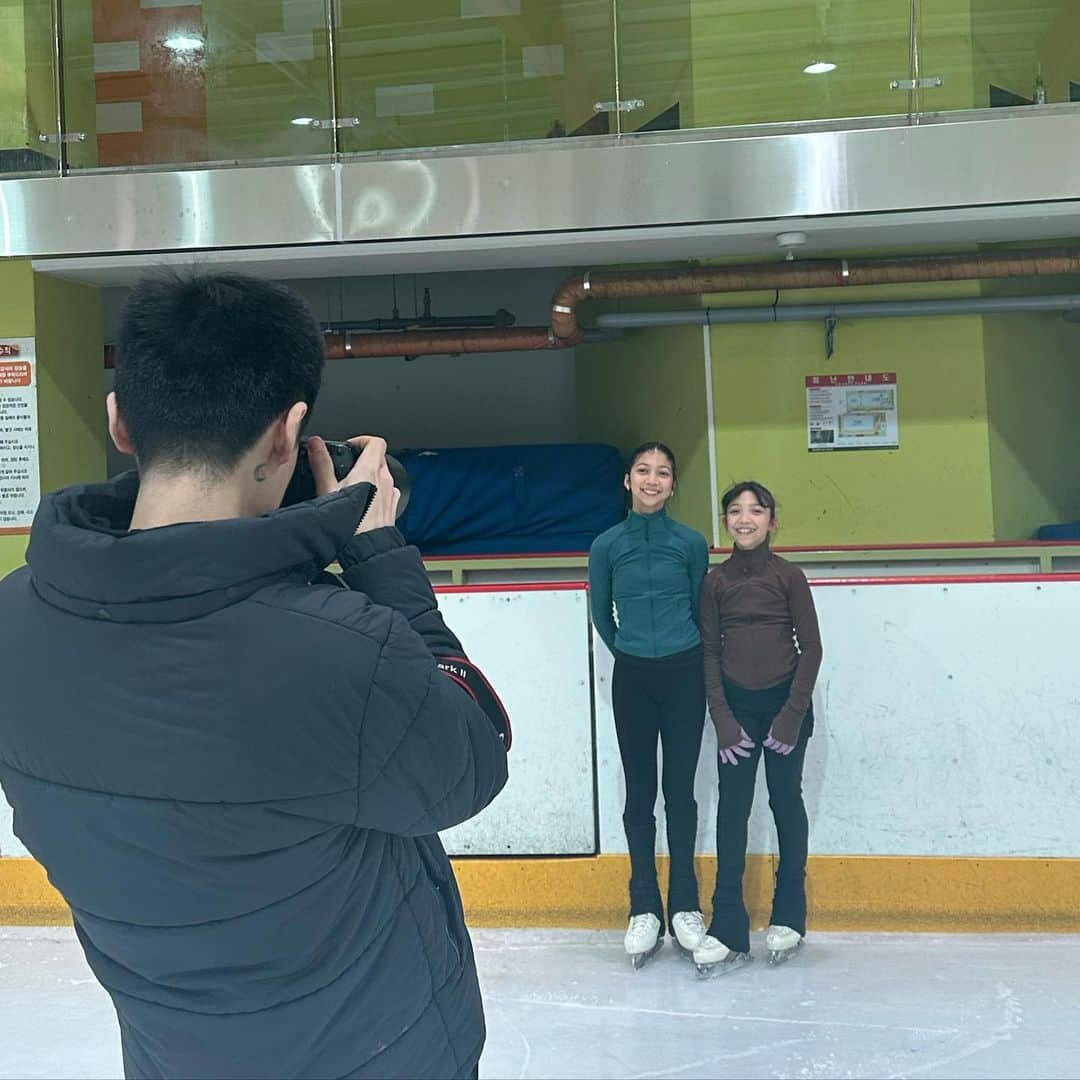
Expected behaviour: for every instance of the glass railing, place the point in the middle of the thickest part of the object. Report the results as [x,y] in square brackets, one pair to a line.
[163,83]
[723,63]
[29,129]
[426,74]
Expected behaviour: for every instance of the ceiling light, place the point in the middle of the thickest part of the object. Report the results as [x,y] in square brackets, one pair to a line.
[184,43]
[819,67]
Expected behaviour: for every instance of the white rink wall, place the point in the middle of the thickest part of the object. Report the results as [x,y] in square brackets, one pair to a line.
[947,712]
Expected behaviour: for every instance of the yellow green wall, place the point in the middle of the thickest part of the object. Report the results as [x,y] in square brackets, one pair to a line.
[988,408]
[651,386]
[71,419]
[66,322]
[1033,395]
[936,487]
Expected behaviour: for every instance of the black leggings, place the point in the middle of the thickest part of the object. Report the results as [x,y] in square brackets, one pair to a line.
[755,710]
[662,698]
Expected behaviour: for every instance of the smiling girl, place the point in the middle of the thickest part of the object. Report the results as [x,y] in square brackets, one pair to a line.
[645,575]
[762,650]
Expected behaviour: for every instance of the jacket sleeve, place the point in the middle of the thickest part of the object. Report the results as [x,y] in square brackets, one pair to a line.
[600,599]
[788,723]
[430,756]
[728,732]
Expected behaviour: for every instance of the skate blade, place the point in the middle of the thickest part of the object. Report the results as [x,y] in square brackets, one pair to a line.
[639,960]
[782,956]
[683,950]
[723,967]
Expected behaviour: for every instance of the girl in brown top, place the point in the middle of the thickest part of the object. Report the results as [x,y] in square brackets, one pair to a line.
[762,651]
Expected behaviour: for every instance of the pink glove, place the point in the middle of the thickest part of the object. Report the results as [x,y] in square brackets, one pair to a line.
[777,746]
[742,748]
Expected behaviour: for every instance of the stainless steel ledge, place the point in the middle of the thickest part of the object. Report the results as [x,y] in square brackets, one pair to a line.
[682,181]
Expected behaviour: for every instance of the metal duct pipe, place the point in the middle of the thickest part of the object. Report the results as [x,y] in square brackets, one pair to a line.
[816,274]
[990,305]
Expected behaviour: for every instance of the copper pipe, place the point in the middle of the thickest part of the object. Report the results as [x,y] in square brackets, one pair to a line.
[565,332]
[816,274]
[340,346]
[429,342]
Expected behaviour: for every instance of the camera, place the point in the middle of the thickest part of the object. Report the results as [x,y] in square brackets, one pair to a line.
[344,456]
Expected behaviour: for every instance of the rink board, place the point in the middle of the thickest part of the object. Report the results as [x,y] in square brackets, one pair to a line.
[945,713]
[944,716]
[533,647]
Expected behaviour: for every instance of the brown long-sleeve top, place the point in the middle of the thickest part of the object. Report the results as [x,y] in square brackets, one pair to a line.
[759,629]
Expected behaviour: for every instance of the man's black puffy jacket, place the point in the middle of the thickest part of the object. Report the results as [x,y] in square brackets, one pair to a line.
[235,776]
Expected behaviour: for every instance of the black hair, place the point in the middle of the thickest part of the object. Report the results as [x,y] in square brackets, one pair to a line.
[645,448]
[206,362]
[763,495]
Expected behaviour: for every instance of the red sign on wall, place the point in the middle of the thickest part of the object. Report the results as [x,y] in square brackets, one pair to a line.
[17,374]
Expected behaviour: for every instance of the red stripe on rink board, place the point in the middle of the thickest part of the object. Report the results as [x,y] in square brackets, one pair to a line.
[912,579]
[981,545]
[949,579]
[973,545]
[525,586]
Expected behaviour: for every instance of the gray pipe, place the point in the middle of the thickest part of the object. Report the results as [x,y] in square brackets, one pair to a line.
[975,305]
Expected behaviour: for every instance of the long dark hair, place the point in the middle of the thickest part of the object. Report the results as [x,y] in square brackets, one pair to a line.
[647,447]
[760,492]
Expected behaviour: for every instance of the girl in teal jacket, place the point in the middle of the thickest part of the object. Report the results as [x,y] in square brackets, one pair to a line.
[644,578]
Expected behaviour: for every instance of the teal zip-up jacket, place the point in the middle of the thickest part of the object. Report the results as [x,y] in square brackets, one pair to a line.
[646,572]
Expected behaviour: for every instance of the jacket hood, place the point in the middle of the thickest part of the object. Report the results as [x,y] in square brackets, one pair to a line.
[84,559]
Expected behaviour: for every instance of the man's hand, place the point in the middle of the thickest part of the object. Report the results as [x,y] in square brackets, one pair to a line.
[370,468]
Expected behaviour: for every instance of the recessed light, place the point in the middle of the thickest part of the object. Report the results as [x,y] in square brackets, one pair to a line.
[184,43]
[819,67]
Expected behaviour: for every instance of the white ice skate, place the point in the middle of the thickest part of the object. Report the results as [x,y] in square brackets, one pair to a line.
[642,938]
[783,943]
[689,928]
[713,957]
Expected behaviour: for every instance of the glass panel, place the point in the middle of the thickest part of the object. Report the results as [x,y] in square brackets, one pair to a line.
[27,88]
[713,63]
[160,82]
[447,72]
[1001,54]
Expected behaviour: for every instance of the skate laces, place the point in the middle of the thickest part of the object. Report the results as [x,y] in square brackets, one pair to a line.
[783,936]
[689,920]
[640,928]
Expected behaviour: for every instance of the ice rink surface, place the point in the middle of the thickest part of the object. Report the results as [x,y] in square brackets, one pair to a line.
[565,1003]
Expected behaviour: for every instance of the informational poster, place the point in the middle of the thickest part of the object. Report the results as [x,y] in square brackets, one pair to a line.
[852,412]
[20,480]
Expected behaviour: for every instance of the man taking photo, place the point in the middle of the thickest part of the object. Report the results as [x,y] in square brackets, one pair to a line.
[232,771]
